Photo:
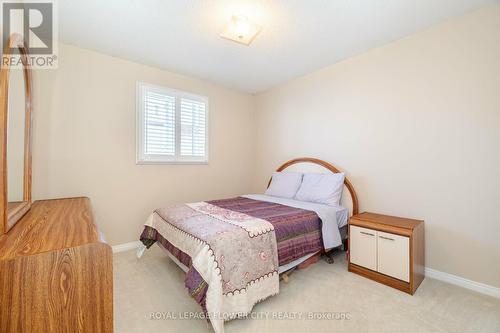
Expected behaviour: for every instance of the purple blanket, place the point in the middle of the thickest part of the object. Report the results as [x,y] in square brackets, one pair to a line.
[298,233]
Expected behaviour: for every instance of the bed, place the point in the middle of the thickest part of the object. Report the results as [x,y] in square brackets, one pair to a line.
[235,250]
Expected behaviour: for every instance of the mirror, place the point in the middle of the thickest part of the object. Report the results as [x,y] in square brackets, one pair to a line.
[15,135]
[16,116]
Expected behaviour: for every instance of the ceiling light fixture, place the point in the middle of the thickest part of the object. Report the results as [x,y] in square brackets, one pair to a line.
[239,29]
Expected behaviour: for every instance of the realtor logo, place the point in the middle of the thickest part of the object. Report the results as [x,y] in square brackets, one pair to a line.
[35,22]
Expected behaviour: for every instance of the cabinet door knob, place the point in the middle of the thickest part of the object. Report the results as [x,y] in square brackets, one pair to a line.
[367,233]
[391,239]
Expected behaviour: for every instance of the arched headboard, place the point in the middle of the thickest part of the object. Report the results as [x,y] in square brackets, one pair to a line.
[326,165]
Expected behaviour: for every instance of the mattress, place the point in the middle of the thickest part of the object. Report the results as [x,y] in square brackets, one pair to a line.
[281,216]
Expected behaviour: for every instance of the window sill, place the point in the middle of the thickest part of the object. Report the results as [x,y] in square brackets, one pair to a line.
[171,162]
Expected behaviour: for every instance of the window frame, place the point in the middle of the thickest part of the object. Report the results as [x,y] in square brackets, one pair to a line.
[141,156]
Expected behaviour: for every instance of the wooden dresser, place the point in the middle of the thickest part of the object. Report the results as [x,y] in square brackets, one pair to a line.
[56,271]
[387,249]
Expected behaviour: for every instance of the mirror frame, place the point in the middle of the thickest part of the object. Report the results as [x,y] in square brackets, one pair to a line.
[9,219]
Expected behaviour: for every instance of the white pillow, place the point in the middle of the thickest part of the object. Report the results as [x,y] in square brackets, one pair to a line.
[284,184]
[321,188]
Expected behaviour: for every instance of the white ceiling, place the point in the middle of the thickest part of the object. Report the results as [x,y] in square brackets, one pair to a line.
[298,36]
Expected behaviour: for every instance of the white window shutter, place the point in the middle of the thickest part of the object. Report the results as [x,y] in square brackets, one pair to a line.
[159,118]
[172,126]
[192,128]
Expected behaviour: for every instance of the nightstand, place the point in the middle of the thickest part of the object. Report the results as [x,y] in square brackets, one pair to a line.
[387,249]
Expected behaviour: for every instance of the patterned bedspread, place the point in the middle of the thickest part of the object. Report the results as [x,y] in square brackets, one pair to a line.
[298,231]
[232,249]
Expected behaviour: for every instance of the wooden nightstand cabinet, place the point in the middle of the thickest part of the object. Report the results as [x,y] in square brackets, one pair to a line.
[387,249]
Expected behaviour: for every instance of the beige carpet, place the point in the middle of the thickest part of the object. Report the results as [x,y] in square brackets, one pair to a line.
[154,284]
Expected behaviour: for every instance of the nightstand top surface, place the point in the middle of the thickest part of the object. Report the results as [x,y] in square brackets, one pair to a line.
[394,221]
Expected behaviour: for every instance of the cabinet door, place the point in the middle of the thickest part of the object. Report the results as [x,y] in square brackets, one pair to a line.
[393,255]
[363,247]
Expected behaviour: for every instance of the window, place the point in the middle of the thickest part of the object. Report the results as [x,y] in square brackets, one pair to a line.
[172,126]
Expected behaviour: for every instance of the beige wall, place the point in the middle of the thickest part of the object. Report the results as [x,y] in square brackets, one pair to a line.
[84,141]
[416,124]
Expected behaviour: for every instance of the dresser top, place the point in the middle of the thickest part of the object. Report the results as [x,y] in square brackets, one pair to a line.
[391,221]
[51,225]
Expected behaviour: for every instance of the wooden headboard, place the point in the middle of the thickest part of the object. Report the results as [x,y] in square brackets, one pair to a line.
[326,165]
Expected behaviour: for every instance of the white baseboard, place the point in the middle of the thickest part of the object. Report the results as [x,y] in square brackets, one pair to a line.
[429,272]
[462,282]
[126,247]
